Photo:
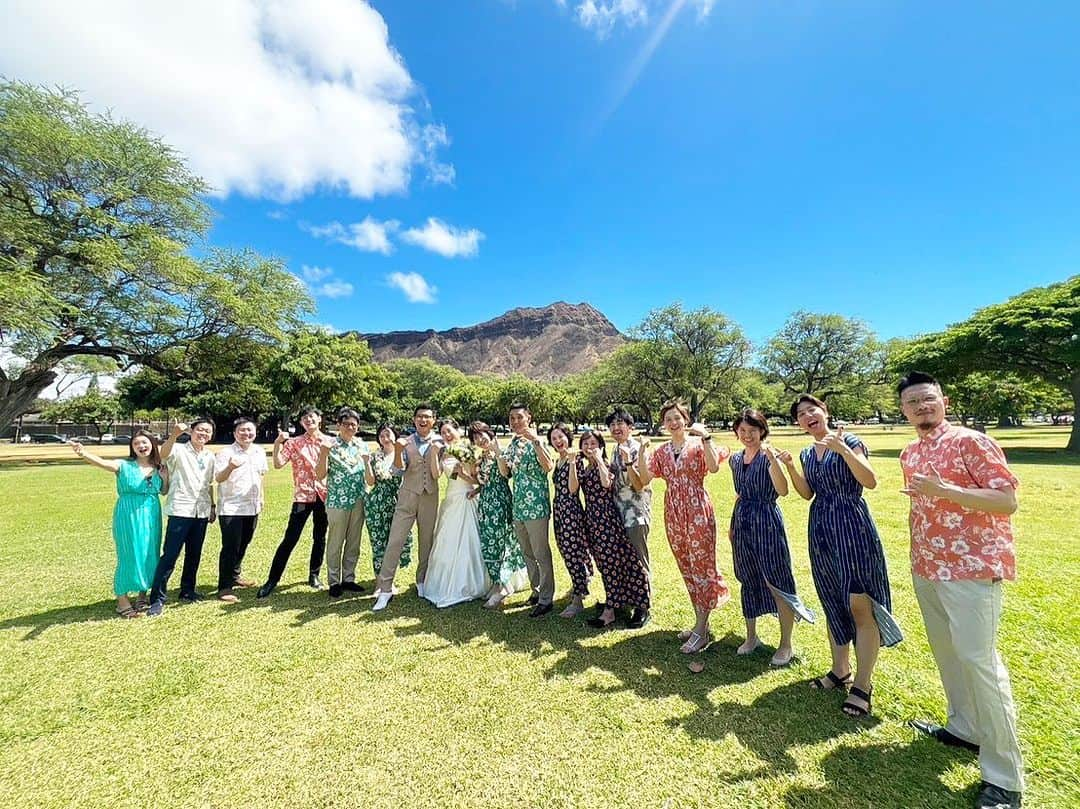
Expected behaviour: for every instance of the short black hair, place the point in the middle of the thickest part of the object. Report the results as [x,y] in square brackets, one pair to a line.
[423,406]
[619,415]
[806,397]
[195,422]
[915,378]
[306,411]
[755,418]
[561,427]
[241,420]
[520,406]
[599,441]
[348,413]
[386,426]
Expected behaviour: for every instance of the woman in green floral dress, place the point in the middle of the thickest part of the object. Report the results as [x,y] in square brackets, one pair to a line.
[382,499]
[498,543]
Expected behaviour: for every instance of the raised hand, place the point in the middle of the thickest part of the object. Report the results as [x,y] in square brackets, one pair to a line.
[402,442]
[282,436]
[927,485]
[722,453]
[179,429]
[624,453]
[236,461]
[833,441]
[529,434]
[784,457]
[698,429]
[77,448]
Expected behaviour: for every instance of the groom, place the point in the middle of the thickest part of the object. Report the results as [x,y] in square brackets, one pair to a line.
[417,502]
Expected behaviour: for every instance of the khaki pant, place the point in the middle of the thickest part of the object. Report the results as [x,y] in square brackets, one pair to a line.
[638,535]
[962,620]
[532,536]
[421,509]
[343,542]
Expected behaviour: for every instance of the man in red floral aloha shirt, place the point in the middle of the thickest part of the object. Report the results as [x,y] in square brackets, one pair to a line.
[962,493]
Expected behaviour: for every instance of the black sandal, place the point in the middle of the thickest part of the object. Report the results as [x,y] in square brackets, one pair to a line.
[857,711]
[835,682]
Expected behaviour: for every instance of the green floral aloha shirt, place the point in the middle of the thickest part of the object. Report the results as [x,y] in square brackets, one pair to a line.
[531,493]
[345,474]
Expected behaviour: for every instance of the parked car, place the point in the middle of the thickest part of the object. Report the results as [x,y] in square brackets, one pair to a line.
[86,439]
[47,438]
[119,439]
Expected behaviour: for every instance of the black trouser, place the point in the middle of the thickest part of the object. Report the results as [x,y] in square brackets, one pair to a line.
[236,533]
[297,520]
[179,532]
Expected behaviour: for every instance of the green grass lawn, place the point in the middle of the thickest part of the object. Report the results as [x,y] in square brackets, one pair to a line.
[297,701]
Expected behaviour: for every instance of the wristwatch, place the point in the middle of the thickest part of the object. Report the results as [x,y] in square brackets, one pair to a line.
[706,437]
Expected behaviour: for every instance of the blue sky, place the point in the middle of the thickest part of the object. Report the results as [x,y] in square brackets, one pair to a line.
[901,162]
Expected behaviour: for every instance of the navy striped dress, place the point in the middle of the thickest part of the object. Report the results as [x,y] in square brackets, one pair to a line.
[845,550]
[759,543]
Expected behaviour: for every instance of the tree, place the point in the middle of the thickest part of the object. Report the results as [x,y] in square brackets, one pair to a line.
[697,353]
[421,379]
[96,216]
[94,407]
[1035,335]
[826,355]
[330,371]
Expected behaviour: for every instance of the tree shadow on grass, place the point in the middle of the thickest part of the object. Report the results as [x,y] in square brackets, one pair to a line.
[885,777]
[37,622]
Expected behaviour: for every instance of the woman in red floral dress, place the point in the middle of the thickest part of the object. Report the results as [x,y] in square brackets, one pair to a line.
[689,521]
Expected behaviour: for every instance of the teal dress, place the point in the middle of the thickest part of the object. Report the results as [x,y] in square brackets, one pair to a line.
[136,528]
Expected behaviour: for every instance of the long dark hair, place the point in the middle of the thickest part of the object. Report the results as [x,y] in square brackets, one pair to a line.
[599,440]
[155,454]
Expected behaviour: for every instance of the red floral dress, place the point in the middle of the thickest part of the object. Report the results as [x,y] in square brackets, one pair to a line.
[690,522]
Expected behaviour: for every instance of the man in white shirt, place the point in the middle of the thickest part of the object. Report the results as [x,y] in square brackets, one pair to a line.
[238,470]
[189,506]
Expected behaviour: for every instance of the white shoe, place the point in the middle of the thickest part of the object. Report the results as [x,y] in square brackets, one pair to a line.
[748,649]
[381,601]
[781,660]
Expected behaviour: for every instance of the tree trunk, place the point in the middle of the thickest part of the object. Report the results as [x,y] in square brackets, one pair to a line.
[16,395]
[1074,437]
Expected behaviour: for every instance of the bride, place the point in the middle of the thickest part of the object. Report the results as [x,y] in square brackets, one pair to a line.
[456,570]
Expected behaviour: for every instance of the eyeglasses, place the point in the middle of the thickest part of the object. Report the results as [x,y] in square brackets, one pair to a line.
[914,401]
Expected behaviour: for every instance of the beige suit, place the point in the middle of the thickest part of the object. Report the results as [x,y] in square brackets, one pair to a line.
[417,502]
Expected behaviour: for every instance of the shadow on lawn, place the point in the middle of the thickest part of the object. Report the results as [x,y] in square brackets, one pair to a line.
[38,622]
[908,774]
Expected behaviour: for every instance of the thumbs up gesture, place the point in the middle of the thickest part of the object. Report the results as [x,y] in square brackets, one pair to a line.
[834,441]
[930,485]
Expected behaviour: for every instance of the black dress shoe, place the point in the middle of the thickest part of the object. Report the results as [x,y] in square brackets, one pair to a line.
[994,797]
[313,581]
[192,597]
[352,587]
[534,599]
[266,589]
[540,610]
[639,618]
[335,591]
[600,623]
[940,734]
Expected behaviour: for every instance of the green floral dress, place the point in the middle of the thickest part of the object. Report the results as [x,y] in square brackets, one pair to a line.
[379,510]
[498,543]
[532,500]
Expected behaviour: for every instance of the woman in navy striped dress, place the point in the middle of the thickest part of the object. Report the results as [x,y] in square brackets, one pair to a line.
[846,557]
[759,543]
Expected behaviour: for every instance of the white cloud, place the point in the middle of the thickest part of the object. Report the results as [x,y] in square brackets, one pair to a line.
[265,97]
[444,239]
[313,275]
[603,16]
[414,285]
[370,235]
[333,289]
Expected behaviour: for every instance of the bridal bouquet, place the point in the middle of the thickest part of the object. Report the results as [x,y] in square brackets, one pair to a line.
[464,451]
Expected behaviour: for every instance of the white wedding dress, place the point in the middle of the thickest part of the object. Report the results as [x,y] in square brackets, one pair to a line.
[456,570]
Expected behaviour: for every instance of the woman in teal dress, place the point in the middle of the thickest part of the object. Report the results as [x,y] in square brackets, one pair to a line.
[382,499]
[498,543]
[136,525]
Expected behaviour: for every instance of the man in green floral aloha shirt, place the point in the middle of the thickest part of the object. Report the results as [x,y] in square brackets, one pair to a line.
[529,465]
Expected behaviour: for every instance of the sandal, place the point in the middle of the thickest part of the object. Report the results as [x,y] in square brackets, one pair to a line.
[852,709]
[142,604]
[695,643]
[832,680]
[571,611]
[685,634]
[128,612]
